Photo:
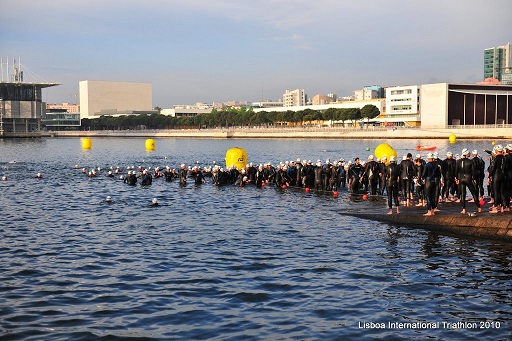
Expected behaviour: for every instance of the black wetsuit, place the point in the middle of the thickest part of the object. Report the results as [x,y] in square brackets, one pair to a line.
[429,175]
[198,177]
[448,167]
[259,178]
[183,176]
[382,177]
[406,176]
[372,173]
[146,179]
[319,178]
[479,169]
[464,173]
[309,175]
[497,171]
[354,174]
[391,176]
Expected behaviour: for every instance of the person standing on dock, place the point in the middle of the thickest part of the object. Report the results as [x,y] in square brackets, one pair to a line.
[429,175]
[464,177]
[479,168]
[392,176]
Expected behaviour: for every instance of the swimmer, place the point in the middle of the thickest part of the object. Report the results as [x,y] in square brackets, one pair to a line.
[39,176]
[4,178]
[108,199]
[154,202]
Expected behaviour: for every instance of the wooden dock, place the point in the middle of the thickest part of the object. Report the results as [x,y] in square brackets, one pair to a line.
[449,220]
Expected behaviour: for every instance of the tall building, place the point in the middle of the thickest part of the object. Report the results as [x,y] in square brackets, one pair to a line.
[498,63]
[114,98]
[322,99]
[294,98]
[21,103]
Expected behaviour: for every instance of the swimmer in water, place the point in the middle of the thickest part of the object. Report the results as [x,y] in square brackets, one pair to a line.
[154,202]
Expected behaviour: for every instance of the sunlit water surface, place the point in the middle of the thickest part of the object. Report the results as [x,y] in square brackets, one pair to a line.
[227,263]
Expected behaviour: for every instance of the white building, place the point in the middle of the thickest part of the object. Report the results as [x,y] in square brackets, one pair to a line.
[114,98]
[294,98]
[402,104]
[365,94]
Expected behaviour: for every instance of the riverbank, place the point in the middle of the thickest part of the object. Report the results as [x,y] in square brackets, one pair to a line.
[300,133]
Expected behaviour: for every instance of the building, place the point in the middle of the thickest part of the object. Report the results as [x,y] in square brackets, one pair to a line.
[380,90]
[67,107]
[61,116]
[403,105]
[445,105]
[114,98]
[267,104]
[185,110]
[294,98]
[498,63]
[322,99]
[21,107]
[365,94]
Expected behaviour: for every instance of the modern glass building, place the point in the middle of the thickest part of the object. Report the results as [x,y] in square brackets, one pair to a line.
[498,63]
[21,108]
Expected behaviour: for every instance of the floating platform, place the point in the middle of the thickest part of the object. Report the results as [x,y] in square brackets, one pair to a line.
[449,220]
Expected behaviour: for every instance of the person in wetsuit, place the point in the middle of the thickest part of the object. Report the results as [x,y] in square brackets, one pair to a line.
[319,177]
[146,179]
[392,177]
[372,172]
[406,177]
[479,169]
[429,176]
[354,175]
[448,167]
[182,174]
[464,177]
[498,172]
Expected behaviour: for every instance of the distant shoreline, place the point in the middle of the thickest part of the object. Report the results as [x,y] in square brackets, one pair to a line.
[299,133]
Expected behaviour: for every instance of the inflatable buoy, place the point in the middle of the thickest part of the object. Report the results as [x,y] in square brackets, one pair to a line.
[385,149]
[365,197]
[86,143]
[283,186]
[150,144]
[493,143]
[482,202]
[335,194]
[236,157]
[452,138]
[307,190]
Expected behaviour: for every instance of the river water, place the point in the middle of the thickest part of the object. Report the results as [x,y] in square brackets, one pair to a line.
[228,263]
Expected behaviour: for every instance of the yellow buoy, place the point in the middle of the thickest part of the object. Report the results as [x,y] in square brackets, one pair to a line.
[236,157]
[86,143]
[493,143]
[150,144]
[385,149]
[452,138]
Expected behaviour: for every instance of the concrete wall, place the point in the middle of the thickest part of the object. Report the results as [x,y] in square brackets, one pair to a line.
[434,105]
[101,97]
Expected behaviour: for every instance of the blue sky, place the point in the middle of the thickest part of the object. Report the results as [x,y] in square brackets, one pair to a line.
[245,50]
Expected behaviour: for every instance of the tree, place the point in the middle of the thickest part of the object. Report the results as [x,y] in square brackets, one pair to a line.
[369,111]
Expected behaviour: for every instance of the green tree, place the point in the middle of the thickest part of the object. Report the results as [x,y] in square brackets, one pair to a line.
[369,112]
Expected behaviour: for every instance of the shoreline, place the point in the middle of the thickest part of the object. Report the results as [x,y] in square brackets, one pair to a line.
[298,133]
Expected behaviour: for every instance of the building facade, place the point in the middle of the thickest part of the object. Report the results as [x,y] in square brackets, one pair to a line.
[294,98]
[114,98]
[322,99]
[445,105]
[21,107]
[403,105]
[498,63]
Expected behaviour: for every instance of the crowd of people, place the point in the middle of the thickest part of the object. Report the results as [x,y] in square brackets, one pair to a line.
[406,182]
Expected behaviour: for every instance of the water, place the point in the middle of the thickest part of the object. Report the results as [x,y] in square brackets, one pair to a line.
[227,263]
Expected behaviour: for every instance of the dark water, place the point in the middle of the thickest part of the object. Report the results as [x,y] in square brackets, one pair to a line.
[227,263]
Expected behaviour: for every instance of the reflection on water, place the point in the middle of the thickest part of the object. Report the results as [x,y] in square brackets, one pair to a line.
[224,263]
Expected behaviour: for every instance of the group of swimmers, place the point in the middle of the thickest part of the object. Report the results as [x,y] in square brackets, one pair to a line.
[428,181]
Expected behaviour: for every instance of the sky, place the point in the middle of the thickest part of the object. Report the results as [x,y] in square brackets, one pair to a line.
[247,50]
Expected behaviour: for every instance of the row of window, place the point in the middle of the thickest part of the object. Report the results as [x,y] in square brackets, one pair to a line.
[401,92]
